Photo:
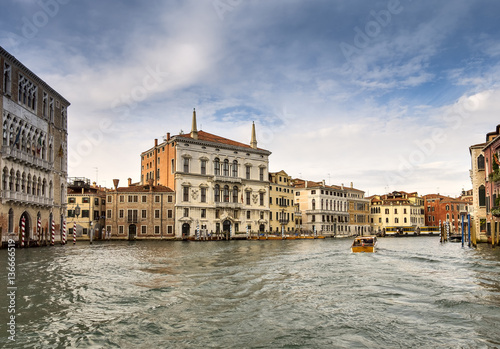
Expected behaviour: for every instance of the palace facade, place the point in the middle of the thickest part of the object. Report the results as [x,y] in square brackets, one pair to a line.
[33,161]
[221,186]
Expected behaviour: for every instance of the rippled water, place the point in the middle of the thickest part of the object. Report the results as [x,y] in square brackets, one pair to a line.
[412,293]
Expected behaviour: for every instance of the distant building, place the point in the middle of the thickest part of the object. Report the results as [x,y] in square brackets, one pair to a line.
[359,211]
[397,210]
[221,186]
[444,209]
[140,212]
[491,153]
[281,203]
[33,161]
[323,208]
[86,208]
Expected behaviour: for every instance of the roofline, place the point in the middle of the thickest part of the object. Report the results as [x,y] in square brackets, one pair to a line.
[32,75]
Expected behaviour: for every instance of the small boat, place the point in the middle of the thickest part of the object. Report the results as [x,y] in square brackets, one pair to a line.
[364,244]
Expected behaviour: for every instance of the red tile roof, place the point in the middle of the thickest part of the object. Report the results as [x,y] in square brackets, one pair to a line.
[205,136]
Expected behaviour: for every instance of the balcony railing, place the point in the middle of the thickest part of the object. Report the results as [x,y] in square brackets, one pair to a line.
[16,154]
[9,195]
[227,179]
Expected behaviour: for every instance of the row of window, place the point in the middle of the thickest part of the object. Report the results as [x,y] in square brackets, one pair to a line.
[27,184]
[144,229]
[375,210]
[285,190]
[331,205]
[413,220]
[85,200]
[281,202]
[234,213]
[135,198]
[223,168]
[132,215]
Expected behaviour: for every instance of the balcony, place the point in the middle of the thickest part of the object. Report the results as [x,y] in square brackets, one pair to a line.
[227,179]
[132,220]
[25,158]
[23,198]
[495,211]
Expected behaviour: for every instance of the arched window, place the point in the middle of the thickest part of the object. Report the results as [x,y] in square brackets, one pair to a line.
[217,167]
[235,168]
[226,193]
[11,221]
[23,183]
[313,204]
[482,196]
[5,176]
[34,186]
[225,168]
[235,194]
[28,185]
[44,186]
[216,193]
[480,162]
[18,180]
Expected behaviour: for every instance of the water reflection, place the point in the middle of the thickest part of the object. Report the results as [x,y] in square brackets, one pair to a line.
[312,293]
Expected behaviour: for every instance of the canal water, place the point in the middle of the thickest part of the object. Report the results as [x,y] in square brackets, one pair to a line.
[412,293]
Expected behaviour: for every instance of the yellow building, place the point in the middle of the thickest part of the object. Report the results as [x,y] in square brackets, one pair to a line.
[397,212]
[86,208]
[281,204]
[359,211]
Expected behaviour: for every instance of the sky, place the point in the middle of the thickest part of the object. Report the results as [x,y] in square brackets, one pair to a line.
[388,95]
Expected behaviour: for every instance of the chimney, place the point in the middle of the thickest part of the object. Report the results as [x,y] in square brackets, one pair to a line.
[129,182]
[342,186]
[156,142]
[194,129]
[253,140]
[352,185]
[115,183]
[168,136]
[306,185]
[324,183]
[150,183]
[94,184]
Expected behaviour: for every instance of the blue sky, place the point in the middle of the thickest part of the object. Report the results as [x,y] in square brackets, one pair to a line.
[386,94]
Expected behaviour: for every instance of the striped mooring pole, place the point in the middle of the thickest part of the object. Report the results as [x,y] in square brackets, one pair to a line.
[23,227]
[74,233]
[53,233]
[64,233]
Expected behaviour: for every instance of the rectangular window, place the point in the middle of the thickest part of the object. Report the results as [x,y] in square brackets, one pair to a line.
[169,198]
[96,215]
[96,201]
[144,198]
[122,198]
[85,213]
[157,229]
[203,167]
[248,171]
[170,229]
[108,214]
[71,200]
[71,213]
[172,165]
[203,213]
[247,195]
[85,200]
[169,214]
[185,193]
[144,214]
[186,165]
[157,213]
[120,229]
[157,198]
[203,196]
[144,229]
[186,212]
[261,197]
[248,214]
[121,213]
[261,174]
